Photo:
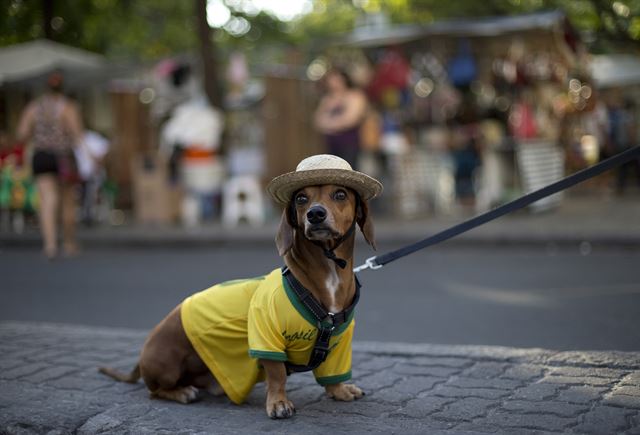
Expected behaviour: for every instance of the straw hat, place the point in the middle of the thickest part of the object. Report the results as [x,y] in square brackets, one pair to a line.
[322,169]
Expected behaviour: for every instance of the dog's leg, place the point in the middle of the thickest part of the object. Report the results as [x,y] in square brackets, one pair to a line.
[167,361]
[206,381]
[165,380]
[215,389]
[344,392]
[278,406]
[183,395]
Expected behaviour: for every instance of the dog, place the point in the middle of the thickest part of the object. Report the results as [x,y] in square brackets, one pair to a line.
[235,334]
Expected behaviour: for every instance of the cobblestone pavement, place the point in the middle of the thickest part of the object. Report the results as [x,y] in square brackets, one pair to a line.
[49,384]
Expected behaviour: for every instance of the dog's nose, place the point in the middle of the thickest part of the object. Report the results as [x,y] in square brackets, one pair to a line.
[316,214]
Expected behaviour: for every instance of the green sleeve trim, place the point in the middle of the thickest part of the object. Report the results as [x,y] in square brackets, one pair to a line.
[331,380]
[263,354]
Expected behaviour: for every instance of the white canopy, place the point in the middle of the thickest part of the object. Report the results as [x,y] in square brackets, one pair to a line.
[30,60]
[615,70]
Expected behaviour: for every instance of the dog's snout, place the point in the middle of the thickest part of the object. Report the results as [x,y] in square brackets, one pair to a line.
[316,214]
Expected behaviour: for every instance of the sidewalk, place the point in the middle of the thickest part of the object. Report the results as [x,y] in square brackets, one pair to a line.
[603,221]
[49,384]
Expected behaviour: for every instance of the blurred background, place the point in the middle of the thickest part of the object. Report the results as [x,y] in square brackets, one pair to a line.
[185,110]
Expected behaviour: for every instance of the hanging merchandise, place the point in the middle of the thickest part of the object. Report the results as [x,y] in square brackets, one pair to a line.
[515,65]
[237,76]
[522,121]
[462,68]
[392,72]
[393,140]
[428,65]
[444,102]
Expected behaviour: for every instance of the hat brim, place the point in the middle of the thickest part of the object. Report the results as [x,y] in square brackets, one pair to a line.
[284,186]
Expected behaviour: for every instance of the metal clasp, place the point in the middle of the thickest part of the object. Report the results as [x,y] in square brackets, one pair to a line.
[329,319]
[370,263]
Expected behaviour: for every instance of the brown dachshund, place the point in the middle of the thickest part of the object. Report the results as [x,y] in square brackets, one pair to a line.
[174,363]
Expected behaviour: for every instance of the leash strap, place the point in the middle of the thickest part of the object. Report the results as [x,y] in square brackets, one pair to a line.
[378,261]
[326,322]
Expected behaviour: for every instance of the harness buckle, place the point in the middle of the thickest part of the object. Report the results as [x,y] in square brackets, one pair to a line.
[331,318]
[370,263]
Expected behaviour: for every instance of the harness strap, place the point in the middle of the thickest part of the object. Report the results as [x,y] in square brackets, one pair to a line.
[326,321]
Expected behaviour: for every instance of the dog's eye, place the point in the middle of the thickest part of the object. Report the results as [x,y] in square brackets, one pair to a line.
[340,195]
[301,199]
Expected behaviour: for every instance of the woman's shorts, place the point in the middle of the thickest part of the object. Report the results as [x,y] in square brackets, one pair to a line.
[44,162]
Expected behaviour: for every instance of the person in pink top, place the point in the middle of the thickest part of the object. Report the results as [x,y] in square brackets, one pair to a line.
[52,124]
[339,116]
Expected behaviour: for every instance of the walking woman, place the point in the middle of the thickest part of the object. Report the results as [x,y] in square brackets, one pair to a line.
[53,125]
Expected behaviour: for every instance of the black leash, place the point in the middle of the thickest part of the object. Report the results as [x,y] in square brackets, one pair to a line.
[326,321]
[378,261]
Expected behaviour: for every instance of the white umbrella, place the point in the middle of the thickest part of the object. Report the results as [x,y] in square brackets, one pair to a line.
[31,60]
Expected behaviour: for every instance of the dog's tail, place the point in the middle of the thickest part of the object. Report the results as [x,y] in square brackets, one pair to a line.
[131,378]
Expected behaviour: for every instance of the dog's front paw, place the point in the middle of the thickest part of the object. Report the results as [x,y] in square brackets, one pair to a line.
[344,392]
[280,409]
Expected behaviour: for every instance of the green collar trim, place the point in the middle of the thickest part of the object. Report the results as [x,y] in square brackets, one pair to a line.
[306,314]
[332,380]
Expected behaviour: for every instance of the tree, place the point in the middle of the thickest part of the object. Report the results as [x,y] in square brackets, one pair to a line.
[149,29]
[207,55]
[607,25]
[133,29]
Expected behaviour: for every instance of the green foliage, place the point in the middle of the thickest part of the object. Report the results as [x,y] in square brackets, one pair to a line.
[141,29]
[607,25]
[149,29]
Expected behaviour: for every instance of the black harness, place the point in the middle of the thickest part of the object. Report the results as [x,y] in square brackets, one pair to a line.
[326,321]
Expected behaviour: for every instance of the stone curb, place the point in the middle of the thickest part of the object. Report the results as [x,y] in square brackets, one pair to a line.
[585,358]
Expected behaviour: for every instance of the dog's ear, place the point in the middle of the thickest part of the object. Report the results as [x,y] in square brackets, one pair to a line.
[284,237]
[365,223]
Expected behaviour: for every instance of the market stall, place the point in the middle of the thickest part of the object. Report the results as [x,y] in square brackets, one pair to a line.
[471,109]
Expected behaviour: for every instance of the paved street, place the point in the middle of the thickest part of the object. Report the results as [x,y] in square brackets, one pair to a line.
[544,291]
[543,296]
[50,384]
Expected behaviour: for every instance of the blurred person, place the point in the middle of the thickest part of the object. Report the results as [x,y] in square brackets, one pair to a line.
[465,151]
[623,134]
[340,114]
[495,164]
[90,157]
[52,124]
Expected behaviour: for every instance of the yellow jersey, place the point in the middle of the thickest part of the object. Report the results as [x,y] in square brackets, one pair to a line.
[234,323]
